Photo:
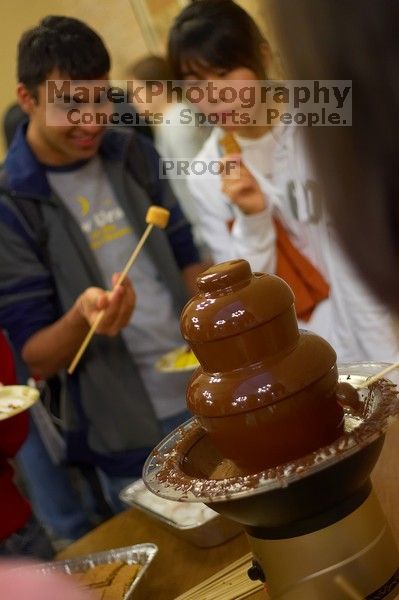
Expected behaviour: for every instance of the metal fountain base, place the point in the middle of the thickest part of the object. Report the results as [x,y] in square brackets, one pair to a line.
[315,527]
[355,555]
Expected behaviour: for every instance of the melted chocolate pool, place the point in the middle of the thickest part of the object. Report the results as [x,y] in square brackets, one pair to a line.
[196,470]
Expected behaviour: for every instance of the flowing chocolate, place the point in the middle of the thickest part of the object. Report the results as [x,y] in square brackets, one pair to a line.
[191,467]
[265,392]
[349,398]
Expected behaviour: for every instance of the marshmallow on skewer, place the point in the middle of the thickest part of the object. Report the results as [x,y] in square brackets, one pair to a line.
[156,217]
[229,144]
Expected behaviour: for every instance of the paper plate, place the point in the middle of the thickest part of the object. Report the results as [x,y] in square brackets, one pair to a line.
[15,399]
[181,359]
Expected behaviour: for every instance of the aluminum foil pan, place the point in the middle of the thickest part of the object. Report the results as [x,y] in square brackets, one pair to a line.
[197,524]
[140,554]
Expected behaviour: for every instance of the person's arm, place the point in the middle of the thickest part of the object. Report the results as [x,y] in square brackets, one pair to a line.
[230,233]
[242,189]
[28,304]
[53,347]
[31,583]
[253,230]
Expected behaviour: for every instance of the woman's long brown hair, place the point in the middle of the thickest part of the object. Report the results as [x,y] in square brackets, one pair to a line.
[359,165]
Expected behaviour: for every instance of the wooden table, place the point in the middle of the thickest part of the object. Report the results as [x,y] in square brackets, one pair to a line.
[179,566]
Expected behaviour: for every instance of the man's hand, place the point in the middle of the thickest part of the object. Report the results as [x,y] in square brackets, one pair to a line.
[243,191]
[117,305]
[53,347]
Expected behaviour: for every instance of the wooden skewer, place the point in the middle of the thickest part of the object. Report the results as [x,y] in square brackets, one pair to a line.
[214,578]
[156,217]
[375,378]
[348,588]
[235,565]
[230,583]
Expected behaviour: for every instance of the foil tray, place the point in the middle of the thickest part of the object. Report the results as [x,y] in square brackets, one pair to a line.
[140,554]
[206,532]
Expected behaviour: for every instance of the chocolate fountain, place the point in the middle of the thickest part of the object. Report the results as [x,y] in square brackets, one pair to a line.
[278,444]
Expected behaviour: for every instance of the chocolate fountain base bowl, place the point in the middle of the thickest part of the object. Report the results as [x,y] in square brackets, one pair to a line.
[310,503]
[279,510]
[291,499]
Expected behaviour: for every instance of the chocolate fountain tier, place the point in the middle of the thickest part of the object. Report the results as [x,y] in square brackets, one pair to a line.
[265,392]
[301,495]
[272,412]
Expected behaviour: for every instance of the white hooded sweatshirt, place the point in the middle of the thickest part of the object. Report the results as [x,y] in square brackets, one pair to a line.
[356,324]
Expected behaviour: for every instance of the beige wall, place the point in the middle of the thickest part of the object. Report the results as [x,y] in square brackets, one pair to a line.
[115,20]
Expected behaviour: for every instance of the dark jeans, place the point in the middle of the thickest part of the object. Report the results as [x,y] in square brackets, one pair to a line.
[30,541]
[54,499]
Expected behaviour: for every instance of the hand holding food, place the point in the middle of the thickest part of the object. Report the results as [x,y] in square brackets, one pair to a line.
[156,217]
[243,190]
[239,184]
[117,305]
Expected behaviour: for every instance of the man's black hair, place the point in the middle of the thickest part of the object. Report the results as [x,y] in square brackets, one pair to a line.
[216,34]
[61,43]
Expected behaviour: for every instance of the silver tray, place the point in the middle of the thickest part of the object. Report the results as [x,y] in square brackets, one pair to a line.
[207,532]
[141,554]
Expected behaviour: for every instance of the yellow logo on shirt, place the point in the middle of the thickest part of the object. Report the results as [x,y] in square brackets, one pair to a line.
[84,205]
[105,224]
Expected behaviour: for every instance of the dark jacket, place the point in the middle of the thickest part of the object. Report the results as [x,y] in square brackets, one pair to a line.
[108,416]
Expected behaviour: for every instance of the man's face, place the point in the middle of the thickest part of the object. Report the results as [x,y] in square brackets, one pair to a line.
[64,143]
